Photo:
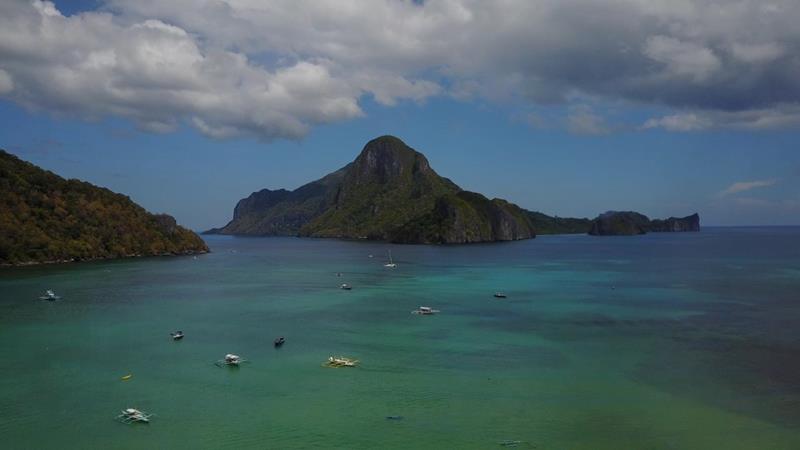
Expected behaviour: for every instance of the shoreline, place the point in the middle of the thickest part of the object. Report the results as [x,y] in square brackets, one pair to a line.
[102,258]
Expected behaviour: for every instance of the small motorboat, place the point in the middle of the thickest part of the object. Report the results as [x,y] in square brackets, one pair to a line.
[133,415]
[425,311]
[345,286]
[279,341]
[340,361]
[230,360]
[126,377]
[500,295]
[177,335]
[49,295]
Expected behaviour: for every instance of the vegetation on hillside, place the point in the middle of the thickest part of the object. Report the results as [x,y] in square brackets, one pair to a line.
[545,224]
[44,217]
[389,192]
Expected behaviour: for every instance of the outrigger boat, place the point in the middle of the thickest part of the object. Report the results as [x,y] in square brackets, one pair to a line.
[230,360]
[340,361]
[49,295]
[177,336]
[133,415]
[425,311]
[279,341]
[500,295]
[345,286]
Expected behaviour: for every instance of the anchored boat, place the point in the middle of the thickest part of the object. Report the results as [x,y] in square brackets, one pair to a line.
[279,341]
[133,415]
[230,360]
[340,361]
[425,311]
[49,295]
[500,295]
[177,335]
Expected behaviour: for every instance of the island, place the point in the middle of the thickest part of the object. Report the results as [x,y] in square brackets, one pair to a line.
[628,223]
[45,218]
[391,193]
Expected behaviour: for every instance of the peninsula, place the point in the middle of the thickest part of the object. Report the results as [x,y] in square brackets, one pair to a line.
[46,218]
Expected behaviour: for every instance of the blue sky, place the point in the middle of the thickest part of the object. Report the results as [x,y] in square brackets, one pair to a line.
[585,149]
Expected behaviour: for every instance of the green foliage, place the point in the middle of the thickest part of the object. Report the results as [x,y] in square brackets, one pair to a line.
[44,217]
[389,192]
[466,217]
[388,185]
[545,224]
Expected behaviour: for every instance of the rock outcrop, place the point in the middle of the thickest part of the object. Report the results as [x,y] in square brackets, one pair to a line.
[688,223]
[627,223]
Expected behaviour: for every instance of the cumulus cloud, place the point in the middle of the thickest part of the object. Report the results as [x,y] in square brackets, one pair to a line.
[683,59]
[779,116]
[679,122]
[275,69]
[757,53]
[583,121]
[6,83]
[743,186]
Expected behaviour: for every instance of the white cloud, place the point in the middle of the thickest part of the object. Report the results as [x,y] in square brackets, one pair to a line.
[276,69]
[743,186]
[583,121]
[684,59]
[779,116]
[6,83]
[679,122]
[757,53]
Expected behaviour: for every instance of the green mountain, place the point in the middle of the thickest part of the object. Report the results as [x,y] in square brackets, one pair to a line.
[390,192]
[46,218]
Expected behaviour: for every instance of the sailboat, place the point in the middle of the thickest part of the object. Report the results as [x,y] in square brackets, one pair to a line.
[390,263]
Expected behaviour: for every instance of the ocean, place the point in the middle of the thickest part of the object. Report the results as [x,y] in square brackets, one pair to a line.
[661,341]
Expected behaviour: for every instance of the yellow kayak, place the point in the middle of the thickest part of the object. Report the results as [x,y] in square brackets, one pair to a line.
[127,377]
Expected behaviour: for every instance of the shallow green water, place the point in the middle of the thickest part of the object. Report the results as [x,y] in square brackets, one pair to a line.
[662,341]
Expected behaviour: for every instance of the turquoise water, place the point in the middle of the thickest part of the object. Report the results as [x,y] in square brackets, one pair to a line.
[666,341]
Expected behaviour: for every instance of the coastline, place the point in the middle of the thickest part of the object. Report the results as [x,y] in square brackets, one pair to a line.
[102,258]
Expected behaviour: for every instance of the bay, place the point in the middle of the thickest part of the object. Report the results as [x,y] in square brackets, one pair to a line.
[684,340]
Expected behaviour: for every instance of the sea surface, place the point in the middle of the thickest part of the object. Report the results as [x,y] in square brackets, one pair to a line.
[663,341]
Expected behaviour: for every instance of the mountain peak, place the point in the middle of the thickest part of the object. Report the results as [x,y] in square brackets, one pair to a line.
[386,158]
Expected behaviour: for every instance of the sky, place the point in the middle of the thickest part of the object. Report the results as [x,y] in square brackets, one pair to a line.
[569,107]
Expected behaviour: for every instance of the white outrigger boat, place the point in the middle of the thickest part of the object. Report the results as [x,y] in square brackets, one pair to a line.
[49,295]
[231,360]
[340,361]
[391,263]
[425,311]
[133,415]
